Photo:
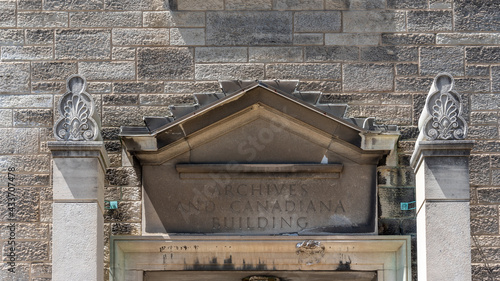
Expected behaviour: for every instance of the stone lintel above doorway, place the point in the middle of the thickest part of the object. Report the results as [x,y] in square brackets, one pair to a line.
[338,256]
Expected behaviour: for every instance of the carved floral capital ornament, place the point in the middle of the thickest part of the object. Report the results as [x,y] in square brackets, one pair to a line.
[442,115]
[76,108]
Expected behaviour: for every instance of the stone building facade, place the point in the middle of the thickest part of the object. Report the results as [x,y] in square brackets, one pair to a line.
[142,56]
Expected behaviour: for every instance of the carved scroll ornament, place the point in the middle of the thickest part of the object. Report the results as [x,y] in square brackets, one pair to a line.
[442,115]
[76,109]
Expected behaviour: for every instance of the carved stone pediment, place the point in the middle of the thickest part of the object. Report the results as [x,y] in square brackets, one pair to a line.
[259,161]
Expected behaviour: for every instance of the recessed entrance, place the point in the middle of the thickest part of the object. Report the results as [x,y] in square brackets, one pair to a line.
[260,276]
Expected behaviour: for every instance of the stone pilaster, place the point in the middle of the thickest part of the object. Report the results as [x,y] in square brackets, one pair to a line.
[443,215]
[78,182]
[79,165]
[441,165]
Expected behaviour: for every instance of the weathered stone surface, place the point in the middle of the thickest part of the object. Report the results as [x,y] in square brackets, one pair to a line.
[123,53]
[83,44]
[477,70]
[105,19]
[29,5]
[128,211]
[318,21]
[27,200]
[485,15]
[243,71]
[298,4]
[390,199]
[484,117]
[5,118]
[26,163]
[495,75]
[482,54]
[10,37]
[483,210]
[137,87]
[30,180]
[131,116]
[232,28]
[413,84]
[113,146]
[39,36]
[165,63]
[385,114]
[33,118]
[408,38]
[367,77]
[483,132]
[368,98]
[349,39]
[374,21]
[190,87]
[406,4]
[166,99]
[468,38]
[396,177]
[135,5]
[122,99]
[484,225]
[331,53]
[8,17]
[221,54]
[45,19]
[434,60]
[355,4]
[72,5]
[200,4]
[306,71]
[103,70]
[472,85]
[15,77]
[308,39]
[26,53]
[98,88]
[390,53]
[41,269]
[406,69]
[25,231]
[430,21]
[322,86]
[22,272]
[52,70]
[19,141]
[275,54]
[485,101]
[126,229]
[490,194]
[46,87]
[171,19]
[140,36]
[187,36]
[440,4]
[248,5]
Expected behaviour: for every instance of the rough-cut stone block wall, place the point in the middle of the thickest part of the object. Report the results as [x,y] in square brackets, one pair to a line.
[140,56]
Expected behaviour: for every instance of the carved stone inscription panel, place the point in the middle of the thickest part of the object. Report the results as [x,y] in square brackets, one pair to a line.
[261,199]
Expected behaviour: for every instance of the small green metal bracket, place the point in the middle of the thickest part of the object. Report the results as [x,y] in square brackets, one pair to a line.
[405,206]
